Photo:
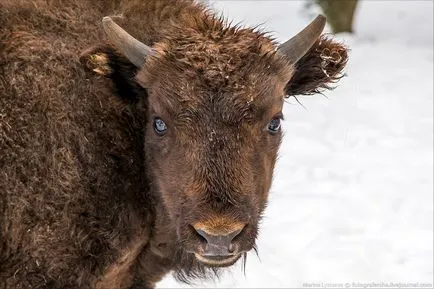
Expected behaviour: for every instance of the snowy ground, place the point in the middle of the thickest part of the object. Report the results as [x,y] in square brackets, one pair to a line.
[352,199]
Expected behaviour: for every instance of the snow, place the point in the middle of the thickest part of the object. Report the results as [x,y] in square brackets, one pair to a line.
[352,199]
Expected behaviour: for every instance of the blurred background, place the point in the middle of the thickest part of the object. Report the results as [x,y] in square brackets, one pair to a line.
[352,199]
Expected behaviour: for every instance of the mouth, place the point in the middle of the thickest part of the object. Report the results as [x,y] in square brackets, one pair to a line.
[217,261]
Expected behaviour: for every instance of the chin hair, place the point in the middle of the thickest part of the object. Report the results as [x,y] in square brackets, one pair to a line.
[187,268]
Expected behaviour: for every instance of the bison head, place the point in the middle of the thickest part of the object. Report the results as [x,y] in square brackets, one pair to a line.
[214,97]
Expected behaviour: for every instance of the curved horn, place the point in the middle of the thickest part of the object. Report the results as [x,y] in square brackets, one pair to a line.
[296,47]
[132,48]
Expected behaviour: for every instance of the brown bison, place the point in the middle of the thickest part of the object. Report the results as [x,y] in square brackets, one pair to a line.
[158,156]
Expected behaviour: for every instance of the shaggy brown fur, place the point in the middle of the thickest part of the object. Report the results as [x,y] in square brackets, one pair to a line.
[90,197]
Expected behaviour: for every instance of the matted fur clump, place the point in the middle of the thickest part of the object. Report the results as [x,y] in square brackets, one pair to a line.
[91,196]
[322,66]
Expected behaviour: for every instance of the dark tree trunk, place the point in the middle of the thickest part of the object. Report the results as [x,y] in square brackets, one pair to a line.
[339,14]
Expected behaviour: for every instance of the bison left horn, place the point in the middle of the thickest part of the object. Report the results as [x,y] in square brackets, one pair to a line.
[296,47]
[133,49]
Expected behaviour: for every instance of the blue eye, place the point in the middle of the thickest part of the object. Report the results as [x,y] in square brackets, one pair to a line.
[160,126]
[274,125]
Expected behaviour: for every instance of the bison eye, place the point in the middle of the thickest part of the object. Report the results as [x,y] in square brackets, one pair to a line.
[274,125]
[160,126]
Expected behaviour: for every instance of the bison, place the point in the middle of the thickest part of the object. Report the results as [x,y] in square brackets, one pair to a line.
[141,145]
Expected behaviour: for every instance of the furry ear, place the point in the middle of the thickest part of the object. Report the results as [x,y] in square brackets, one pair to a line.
[105,60]
[319,68]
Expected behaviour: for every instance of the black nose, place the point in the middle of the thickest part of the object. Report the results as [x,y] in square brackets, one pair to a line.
[219,245]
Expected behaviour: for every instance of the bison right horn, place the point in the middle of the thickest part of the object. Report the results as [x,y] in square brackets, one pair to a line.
[133,49]
[296,47]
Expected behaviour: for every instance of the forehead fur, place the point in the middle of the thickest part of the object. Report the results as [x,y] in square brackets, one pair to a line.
[212,60]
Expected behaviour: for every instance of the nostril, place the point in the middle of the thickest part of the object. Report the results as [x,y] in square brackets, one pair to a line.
[237,234]
[201,235]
